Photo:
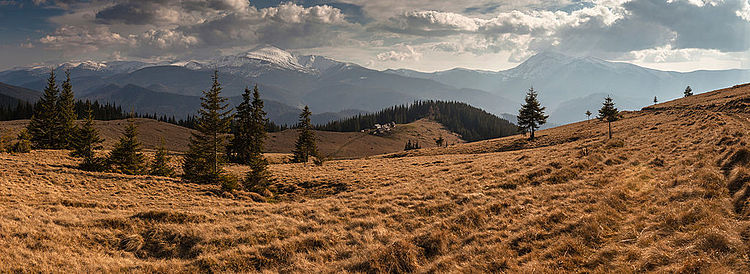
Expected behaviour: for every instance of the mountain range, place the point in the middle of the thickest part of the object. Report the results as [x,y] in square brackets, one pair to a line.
[568,86]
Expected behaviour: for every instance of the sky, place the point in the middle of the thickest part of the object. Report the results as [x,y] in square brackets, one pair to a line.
[424,35]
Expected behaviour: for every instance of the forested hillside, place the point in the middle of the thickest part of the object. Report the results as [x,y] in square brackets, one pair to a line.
[472,123]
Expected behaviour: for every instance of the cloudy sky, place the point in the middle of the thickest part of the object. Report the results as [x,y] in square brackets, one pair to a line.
[425,35]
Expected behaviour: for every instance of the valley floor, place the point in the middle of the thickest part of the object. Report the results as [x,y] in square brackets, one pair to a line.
[668,194]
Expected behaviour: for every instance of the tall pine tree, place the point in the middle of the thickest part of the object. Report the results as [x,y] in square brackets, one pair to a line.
[609,113]
[126,156]
[66,114]
[43,123]
[204,161]
[250,128]
[531,115]
[305,145]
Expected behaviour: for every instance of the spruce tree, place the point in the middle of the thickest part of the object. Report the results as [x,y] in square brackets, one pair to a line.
[126,156]
[204,161]
[531,115]
[305,145]
[66,114]
[86,137]
[688,91]
[23,145]
[250,128]
[85,143]
[609,113]
[655,100]
[43,123]
[588,115]
[160,165]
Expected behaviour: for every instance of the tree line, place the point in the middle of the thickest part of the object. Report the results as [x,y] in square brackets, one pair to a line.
[471,123]
[222,134]
[101,111]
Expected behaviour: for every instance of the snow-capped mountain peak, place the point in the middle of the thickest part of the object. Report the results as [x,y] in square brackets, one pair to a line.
[259,60]
[275,56]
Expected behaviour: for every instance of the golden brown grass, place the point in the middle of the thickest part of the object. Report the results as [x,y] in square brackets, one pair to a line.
[669,195]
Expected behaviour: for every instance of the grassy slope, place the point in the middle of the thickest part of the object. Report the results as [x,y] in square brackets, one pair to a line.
[655,199]
[335,144]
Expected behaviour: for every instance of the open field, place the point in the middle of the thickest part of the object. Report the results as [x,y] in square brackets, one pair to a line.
[331,144]
[668,194]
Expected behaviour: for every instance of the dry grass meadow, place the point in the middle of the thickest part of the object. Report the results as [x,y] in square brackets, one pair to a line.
[668,194]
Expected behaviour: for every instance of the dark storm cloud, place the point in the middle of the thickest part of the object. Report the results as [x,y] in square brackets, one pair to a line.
[129,13]
[708,27]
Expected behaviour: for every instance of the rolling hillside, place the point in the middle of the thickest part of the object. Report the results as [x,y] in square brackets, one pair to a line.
[330,144]
[668,194]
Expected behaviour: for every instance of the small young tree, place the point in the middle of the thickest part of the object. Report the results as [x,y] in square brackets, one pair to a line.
[655,100]
[85,143]
[531,115]
[588,115]
[86,137]
[66,115]
[160,165]
[688,91]
[23,145]
[44,120]
[609,113]
[126,156]
[439,141]
[257,179]
[204,161]
[305,145]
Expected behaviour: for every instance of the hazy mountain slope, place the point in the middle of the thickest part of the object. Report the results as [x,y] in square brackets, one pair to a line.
[13,94]
[324,84]
[145,100]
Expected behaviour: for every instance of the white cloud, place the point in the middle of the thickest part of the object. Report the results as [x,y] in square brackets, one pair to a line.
[406,53]
[744,12]
[82,38]
[293,13]
[519,22]
[667,54]
[164,39]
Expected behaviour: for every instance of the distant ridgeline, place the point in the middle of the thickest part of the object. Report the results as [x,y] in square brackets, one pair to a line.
[472,123]
[104,112]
